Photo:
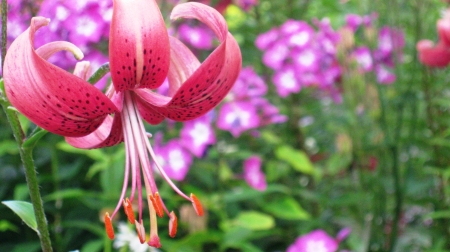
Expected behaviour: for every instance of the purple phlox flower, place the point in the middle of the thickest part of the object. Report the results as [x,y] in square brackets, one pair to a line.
[237,117]
[286,82]
[174,159]
[197,134]
[363,57]
[253,174]
[306,60]
[275,56]
[390,41]
[342,234]
[266,40]
[353,21]
[330,76]
[84,26]
[246,5]
[249,84]
[326,36]
[298,33]
[199,36]
[315,241]
[268,113]
[384,75]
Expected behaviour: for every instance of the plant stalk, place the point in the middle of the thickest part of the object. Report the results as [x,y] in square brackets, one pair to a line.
[25,153]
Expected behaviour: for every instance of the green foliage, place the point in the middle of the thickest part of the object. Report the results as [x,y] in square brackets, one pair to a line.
[24,210]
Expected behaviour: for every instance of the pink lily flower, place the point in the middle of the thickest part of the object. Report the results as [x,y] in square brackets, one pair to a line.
[436,55]
[142,55]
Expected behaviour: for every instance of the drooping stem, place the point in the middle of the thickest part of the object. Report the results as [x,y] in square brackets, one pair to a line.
[25,153]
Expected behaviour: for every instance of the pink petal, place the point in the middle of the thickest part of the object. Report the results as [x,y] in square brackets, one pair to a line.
[49,96]
[108,134]
[443,27]
[431,55]
[138,45]
[205,14]
[178,73]
[209,84]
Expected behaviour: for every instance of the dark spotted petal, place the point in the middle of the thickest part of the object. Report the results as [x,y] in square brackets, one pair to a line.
[138,45]
[205,87]
[52,98]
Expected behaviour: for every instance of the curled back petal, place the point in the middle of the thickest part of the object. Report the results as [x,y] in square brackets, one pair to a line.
[108,134]
[138,46]
[178,72]
[211,81]
[205,14]
[203,90]
[52,98]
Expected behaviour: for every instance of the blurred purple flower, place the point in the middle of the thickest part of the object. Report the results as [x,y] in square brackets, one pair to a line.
[174,159]
[286,82]
[200,36]
[246,4]
[248,85]
[384,76]
[390,44]
[276,55]
[268,113]
[266,40]
[197,134]
[84,27]
[237,117]
[306,60]
[253,174]
[363,57]
[353,21]
[318,241]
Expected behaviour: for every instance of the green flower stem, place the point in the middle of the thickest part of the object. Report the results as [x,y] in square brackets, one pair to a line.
[26,154]
[102,71]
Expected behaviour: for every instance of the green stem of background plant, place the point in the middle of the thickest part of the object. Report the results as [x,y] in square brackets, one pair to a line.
[25,154]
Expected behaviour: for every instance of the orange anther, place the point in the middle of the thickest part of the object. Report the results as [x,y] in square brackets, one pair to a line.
[197,205]
[128,208]
[173,224]
[156,202]
[108,226]
[140,231]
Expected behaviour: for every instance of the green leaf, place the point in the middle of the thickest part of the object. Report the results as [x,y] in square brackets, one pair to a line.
[24,210]
[32,140]
[254,220]
[438,215]
[6,225]
[8,147]
[287,208]
[296,158]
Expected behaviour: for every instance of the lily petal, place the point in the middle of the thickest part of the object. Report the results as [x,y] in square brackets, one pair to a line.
[138,46]
[433,55]
[178,73]
[108,134]
[50,97]
[209,84]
